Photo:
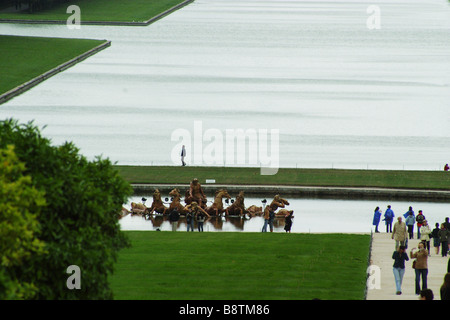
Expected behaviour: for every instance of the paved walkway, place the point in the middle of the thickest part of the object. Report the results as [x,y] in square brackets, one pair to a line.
[382,248]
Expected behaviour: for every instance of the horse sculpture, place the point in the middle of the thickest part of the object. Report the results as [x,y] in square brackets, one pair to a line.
[276,203]
[157,204]
[176,204]
[216,208]
[238,207]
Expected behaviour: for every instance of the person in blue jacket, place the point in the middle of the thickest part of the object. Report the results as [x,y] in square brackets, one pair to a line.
[376,218]
[388,218]
[410,220]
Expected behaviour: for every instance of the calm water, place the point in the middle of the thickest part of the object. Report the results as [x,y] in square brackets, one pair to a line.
[310,215]
[340,94]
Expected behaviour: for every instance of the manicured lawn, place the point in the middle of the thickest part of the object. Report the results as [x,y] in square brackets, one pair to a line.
[24,58]
[101,10]
[300,177]
[241,266]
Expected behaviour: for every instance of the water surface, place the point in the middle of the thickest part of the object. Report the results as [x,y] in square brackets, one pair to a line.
[342,95]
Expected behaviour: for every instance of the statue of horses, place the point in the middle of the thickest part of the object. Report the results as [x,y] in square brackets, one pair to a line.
[254,211]
[176,204]
[284,212]
[276,203]
[157,204]
[238,207]
[217,207]
[138,208]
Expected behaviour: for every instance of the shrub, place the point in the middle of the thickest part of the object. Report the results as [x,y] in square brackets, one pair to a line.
[20,204]
[79,224]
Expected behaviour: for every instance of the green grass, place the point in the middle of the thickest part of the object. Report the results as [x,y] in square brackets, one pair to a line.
[24,58]
[241,266]
[101,10]
[438,180]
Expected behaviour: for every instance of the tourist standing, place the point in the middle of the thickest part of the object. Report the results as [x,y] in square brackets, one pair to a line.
[399,256]
[419,219]
[425,235]
[174,216]
[445,288]
[288,221]
[399,233]
[388,218]
[436,240]
[443,237]
[376,219]
[421,268]
[200,220]
[190,221]
[407,213]
[410,224]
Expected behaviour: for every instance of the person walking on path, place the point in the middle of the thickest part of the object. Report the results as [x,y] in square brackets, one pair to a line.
[174,216]
[410,224]
[445,288]
[183,154]
[419,219]
[388,218]
[421,266]
[425,235]
[443,236]
[436,240]
[399,256]
[376,218]
[399,233]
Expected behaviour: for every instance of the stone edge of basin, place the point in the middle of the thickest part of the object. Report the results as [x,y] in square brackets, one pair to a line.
[44,76]
[363,193]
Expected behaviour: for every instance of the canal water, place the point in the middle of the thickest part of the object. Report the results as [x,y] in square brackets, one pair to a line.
[340,94]
[310,215]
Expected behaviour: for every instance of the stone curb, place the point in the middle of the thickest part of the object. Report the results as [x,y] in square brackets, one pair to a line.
[309,192]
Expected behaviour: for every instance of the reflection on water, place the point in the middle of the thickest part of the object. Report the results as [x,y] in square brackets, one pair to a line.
[342,95]
[162,223]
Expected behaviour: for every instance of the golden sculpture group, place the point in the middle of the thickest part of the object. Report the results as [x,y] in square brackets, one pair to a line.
[194,196]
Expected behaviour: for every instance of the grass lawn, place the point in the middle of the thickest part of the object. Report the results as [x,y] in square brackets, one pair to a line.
[100,10]
[241,266]
[24,58]
[301,177]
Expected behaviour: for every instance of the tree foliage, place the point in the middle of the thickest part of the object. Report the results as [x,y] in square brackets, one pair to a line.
[20,205]
[79,224]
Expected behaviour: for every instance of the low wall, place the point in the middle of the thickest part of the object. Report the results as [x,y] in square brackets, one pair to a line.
[306,192]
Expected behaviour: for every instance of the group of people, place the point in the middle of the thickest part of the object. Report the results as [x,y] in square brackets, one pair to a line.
[402,231]
[195,213]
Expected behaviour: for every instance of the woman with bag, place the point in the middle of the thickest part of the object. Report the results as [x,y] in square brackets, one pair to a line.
[420,265]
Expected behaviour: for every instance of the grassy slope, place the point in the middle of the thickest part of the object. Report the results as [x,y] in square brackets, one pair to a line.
[241,266]
[24,58]
[305,177]
[101,10]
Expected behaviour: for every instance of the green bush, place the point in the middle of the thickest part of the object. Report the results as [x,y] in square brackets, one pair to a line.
[79,224]
[20,205]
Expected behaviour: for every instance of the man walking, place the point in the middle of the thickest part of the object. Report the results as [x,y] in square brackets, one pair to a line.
[399,233]
[388,218]
[183,154]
